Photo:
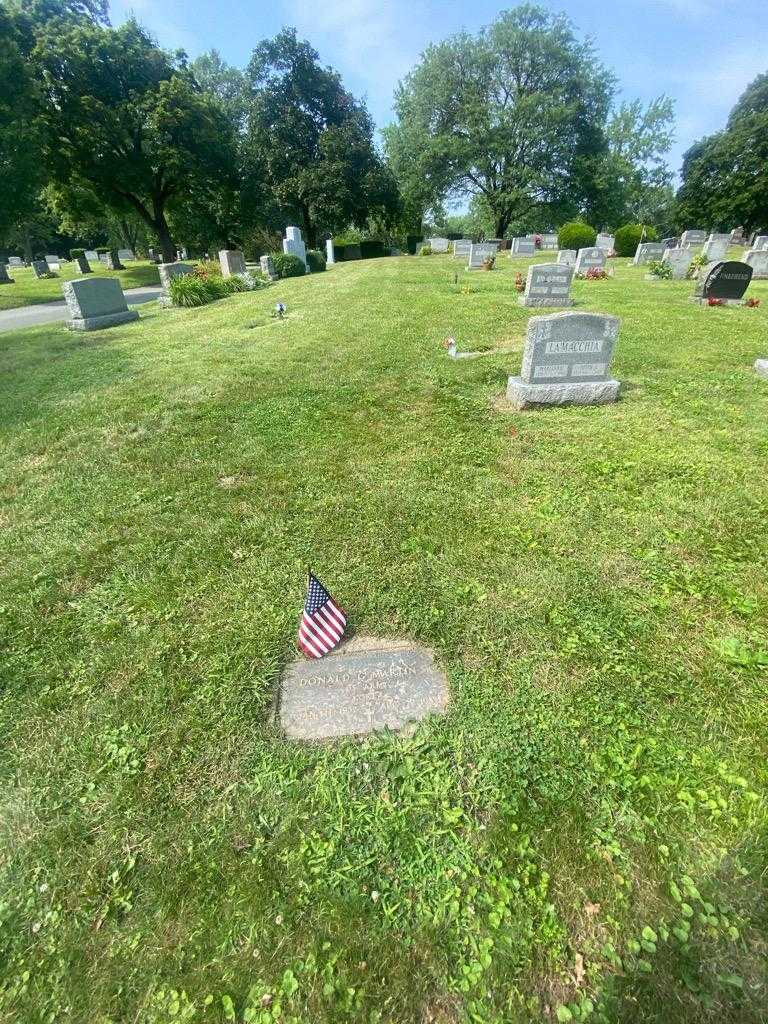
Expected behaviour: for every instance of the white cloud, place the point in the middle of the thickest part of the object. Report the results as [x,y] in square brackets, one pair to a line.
[171,32]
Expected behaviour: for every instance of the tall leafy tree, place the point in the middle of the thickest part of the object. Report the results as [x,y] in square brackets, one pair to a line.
[725,176]
[311,142]
[513,115]
[126,121]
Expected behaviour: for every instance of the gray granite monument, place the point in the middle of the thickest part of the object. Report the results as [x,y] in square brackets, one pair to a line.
[96,302]
[605,242]
[82,264]
[294,244]
[113,261]
[268,267]
[330,253]
[41,268]
[364,687]
[693,238]
[716,247]
[92,256]
[679,260]
[522,247]
[648,251]
[548,284]
[438,245]
[588,258]
[566,361]
[479,253]
[167,272]
[232,262]
[758,260]
[549,240]
[462,246]
[54,263]
[4,278]
[567,257]
[15,261]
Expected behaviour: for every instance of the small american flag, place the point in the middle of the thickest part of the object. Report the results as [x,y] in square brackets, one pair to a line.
[322,623]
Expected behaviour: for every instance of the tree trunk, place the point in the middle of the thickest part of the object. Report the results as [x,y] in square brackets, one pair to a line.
[164,234]
[309,227]
[27,244]
[502,223]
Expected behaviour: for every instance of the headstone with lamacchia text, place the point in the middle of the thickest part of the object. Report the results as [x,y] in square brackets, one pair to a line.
[588,258]
[461,247]
[41,268]
[293,243]
[360,689]
[268,267]
[330,253]
[96,302]
[693,238]
[648,251]
[548,284]
[232,262]
[4,278]
[522,247]
[439,245]
[725,280]
[758,260]
[566,361]
[679,260]
[567,257]
[605,241]
[83,265]
[716,247]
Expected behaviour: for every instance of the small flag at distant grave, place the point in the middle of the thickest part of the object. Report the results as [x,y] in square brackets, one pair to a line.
[322,624]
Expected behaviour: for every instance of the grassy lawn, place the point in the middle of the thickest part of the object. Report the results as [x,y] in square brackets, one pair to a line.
[27,290]
[587,826]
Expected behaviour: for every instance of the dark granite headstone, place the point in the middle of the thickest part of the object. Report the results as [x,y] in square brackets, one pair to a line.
[726,280]
[358,691]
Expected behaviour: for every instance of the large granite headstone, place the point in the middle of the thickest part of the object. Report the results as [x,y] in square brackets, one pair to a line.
[547,284]
[588,258]
[294,244]
[760,242]
[716,247]
[82,264]
[566,361]
[522,247]
[693,238]
[96,302]
[125,254]
[4,279]
[461,247]
[91,255]
[41,268]
[362,688]
[567,257]
[439,245]
[605,241]
[648,251]
[232,262]
[549,240]
[479,253]
[726,280]
[679,260]
[758,260]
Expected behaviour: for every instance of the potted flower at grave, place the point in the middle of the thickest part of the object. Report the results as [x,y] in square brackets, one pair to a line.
[519,282]
[488,263]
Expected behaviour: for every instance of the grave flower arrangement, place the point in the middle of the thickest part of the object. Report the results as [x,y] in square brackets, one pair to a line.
[698,261]
[594,274]
[489,263]
[712,301]
[752,303]
[537,241]
[519,282]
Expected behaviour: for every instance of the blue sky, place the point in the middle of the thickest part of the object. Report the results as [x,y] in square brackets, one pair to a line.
[702,53]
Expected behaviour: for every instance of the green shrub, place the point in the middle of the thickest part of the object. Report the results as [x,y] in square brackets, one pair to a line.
[425,250]
[576,235]
[208,268]
[288,265]
[316,261]
[199,289]
[371,249]
[628,238]
[412,243]
[660,269]
[74,253]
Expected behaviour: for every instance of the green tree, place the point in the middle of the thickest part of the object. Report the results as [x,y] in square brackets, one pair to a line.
[311,142]
[125,121]
[513,115]
[725,176]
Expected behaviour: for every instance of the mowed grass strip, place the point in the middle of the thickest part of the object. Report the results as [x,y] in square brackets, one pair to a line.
[583,834]
[28,290]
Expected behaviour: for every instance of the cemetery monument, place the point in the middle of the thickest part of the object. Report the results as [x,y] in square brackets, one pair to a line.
[588,258]
[522,247]
[294,244]
[548,284]
[679,260]
[232,262]
[758,260]
[96,302]
[724,280]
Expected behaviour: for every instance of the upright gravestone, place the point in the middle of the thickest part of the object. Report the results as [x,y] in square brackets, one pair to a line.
[760,242]
[549,240]
[330,252]
[365,687]
[548,284]
[605,241]
[648,251]
[113,261]
[268,267]
[725,281]
[461,247]
[716,247]
[566,361]
[82,263]
[693,238]
[125,254]
[54,263]
[758,260]
[439,245]
[567,257]
[588,258]
[522,247]
[478,254]
[294,244]
[232,262]
[92,256]
[670,243]
[4,279]
[41,268]
[679,260]
[167,272]
[96,302]
[15,261]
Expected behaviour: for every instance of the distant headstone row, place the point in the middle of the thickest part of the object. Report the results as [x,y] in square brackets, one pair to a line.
[438,245]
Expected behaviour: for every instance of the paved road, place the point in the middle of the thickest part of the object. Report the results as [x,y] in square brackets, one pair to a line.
[50,312]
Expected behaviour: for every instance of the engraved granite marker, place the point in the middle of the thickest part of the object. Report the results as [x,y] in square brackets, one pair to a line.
[365,687]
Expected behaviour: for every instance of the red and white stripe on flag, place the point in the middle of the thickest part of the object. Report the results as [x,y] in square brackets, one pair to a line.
[322,623]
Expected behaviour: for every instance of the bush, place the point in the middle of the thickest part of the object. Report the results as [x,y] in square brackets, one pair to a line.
[576,235]
[660,269]
[425,250]
[371,249]
[628,238]
[74,253]
[208,268]
[288,265]
[198,289]
[412,243]
[316,261]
